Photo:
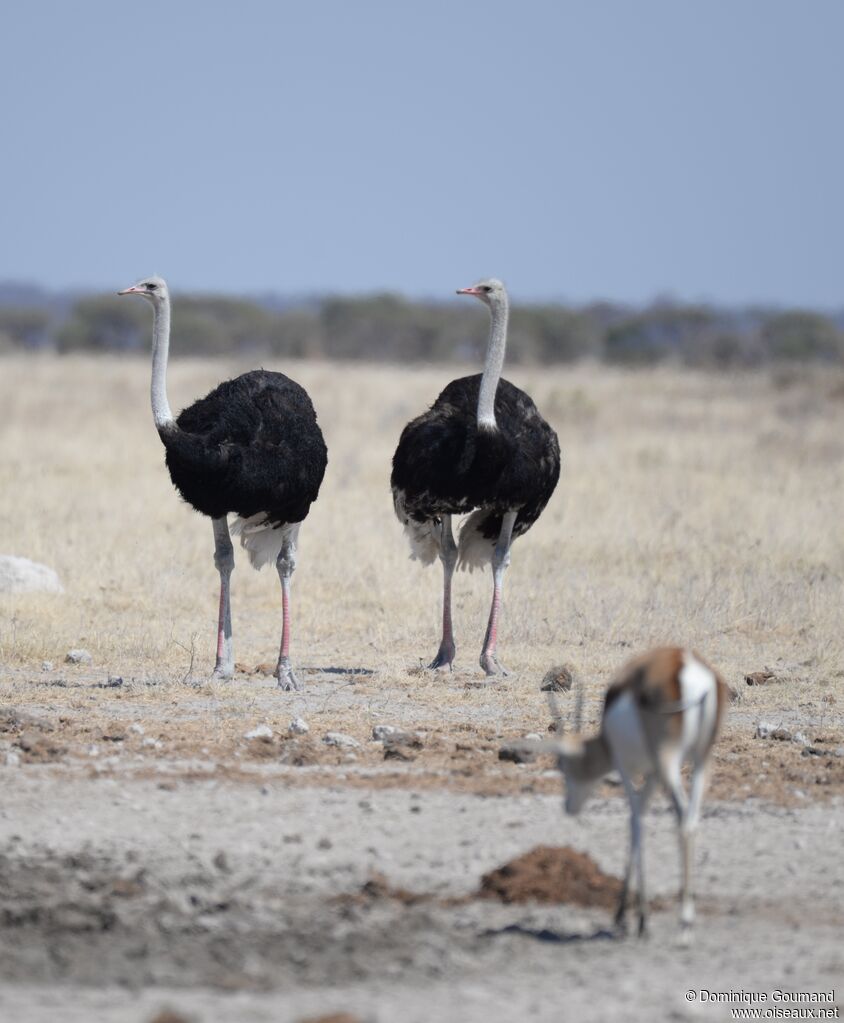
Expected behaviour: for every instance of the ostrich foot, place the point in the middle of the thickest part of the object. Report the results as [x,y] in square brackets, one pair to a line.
[287,680]
[491,665]
[222,673]
[445,656]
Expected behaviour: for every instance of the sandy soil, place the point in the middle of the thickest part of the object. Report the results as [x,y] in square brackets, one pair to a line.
[152,861]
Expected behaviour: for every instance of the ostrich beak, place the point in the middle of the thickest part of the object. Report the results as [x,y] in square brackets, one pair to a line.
[468,291]
[133,290]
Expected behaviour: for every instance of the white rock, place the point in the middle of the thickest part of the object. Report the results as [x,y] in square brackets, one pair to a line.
[136,728]
[20,575]
[381,732]
[259,732]
[298,726]
[13,759]
[79,656]
[339,739]
[533,737]
[46,665]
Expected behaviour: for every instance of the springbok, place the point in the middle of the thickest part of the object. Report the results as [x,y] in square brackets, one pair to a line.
[663,709]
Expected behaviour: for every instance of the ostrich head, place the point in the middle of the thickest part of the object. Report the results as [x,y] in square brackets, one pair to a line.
[489,290]
[152,288]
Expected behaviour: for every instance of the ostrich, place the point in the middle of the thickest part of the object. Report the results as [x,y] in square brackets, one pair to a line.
[253,447]
[482,448]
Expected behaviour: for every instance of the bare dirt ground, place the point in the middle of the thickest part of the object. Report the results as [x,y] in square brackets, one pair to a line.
[152,857]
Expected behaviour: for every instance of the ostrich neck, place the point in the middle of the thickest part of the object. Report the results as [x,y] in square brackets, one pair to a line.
[493,366]
[160,347]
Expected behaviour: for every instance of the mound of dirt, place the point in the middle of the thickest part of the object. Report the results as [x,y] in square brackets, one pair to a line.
[552,874]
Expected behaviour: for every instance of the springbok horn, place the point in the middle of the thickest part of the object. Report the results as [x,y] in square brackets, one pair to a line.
[578,708]
[556,714]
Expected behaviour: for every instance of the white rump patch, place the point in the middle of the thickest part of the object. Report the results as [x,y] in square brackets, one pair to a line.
[474,550]
[261,539]
[424,537]
[699,696]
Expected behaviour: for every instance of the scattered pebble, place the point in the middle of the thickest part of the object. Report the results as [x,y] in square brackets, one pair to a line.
[221,862]
[13,759]
[46,665]
[760,678]
[298,726]
[558,679]
[113,682]
[766,730]
[533,737]
[20,575]
[325,843]
[380,732]
[340,739]
[517,753]
[260,732]
[79,656]
[136,728]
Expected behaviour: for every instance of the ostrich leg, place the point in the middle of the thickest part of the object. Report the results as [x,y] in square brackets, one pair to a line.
[500,561]
[224,560]
[448,556]
[286,563]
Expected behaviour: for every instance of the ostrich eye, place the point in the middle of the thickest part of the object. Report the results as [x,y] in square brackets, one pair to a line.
[486,288]
[152,287]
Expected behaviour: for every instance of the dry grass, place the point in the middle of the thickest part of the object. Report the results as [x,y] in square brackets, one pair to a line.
[693,508]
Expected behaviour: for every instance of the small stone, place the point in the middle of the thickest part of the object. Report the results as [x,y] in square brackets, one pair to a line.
[20,575]
[260,732]
[339,739]
[800,738]
[380,732]
[152,743]
[298,726]
[760,678]
[517,753]
[221,862]
[46,665]
[93,750]
[558,679]
[13,759]
[136,728]
[78,656]
[325,843]
[392,752]
[765,730]
[533,737]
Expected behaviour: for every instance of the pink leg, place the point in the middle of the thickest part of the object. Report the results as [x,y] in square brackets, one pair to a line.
[285,564]
[500,561]
[224,560]
[448,556]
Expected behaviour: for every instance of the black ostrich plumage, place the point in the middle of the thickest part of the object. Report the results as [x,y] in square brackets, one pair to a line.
[446,464]
[251,446]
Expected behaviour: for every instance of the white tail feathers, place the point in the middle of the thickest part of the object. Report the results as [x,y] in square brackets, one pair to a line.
[262,540]
[474,549]
[424,537]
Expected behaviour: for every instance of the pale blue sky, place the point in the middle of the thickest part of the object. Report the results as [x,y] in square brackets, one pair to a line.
[611,148]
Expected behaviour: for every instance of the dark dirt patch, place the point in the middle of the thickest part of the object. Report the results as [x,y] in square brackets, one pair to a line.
[552,874]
